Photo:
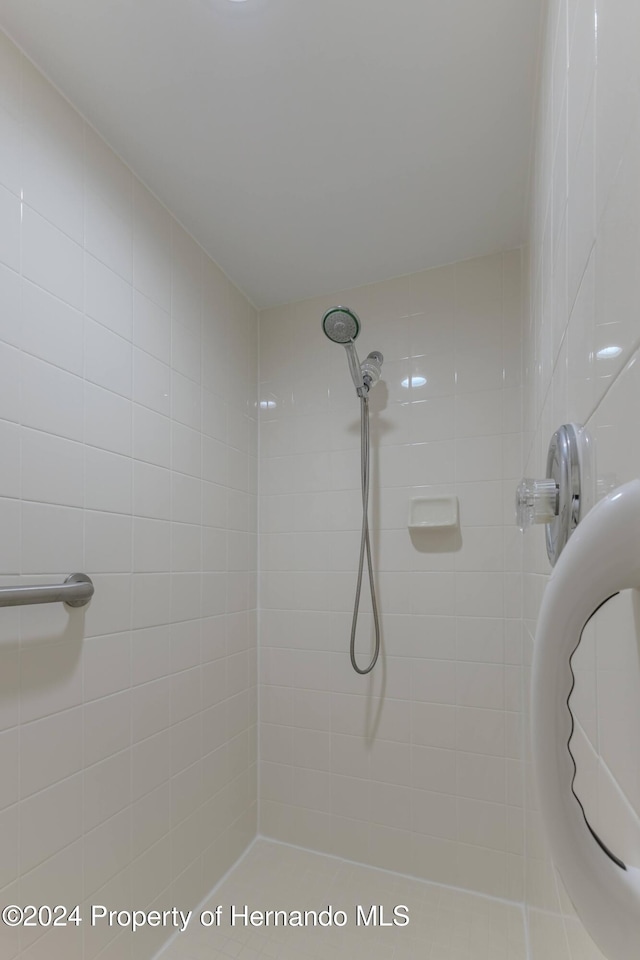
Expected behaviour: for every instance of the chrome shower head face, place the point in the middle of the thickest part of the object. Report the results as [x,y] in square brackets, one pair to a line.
[341,325]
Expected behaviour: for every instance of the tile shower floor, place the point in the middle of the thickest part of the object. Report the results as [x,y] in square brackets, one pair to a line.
[445,924]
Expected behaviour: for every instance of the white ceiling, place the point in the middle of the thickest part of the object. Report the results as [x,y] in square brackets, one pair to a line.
[309,145]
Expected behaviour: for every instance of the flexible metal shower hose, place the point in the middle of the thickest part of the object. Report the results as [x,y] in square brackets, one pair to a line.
[365,546]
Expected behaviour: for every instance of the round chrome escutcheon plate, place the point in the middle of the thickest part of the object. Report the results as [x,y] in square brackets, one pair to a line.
[565,464]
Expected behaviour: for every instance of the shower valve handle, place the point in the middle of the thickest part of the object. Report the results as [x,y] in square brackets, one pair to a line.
[536,502]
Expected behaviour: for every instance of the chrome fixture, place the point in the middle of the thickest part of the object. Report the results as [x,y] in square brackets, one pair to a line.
[563,498]
[76,591]
[342,326]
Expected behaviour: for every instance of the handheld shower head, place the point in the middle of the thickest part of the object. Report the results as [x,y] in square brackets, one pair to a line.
[341,325]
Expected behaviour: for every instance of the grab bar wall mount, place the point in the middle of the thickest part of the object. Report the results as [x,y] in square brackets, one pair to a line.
[76,591]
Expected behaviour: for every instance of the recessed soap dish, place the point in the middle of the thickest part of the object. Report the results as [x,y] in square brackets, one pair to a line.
[433,513]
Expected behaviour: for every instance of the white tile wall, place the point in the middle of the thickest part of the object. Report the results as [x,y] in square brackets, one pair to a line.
[584,297]
[418,767]
[128,366]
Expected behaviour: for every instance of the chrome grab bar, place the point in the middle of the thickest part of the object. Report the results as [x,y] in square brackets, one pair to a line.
[76,591]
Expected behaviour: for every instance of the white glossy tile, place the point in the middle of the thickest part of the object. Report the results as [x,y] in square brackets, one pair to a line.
[51,259]
[108,298]
[10,753]
[186,401]
[151,436]
[53,155]
[582,67]
[433,725]
[107,420]
[151,247]
[151,545]
[50,820]
[482,550]
[581,210]
[10,552]
[186,597]
[10,114]
[434,681]
[151,491]
[480,639]
[186,450]
[482,731]
[151,382]
[482,824]
[479,369]
[185,350]
[151,653]
[110,609]
[10,218]
[39,663]
[63,481]
[108,481]
[431,376]
[107,726]
[52,538]
[186,497]
[150,708]
[11,320]
[107,788]
[481,777]
[186,278]
[51,399]
[480,685]
[151,600]
[51,330]
[108,206]
[478,459]
[617,90]
[107,665]
[64,868]
[478,414]
[186,695]
[151,327]
[151,818]
[108,359]
[10,681]
[107,851]
[431,463]
[479,594]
